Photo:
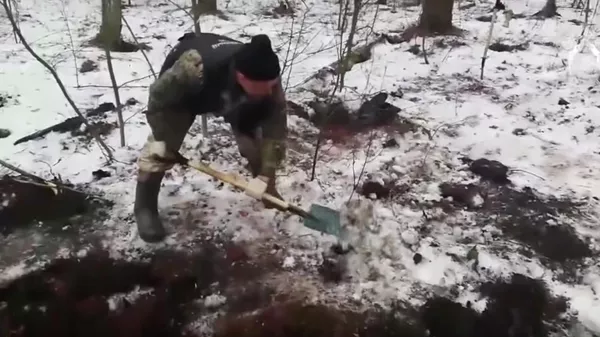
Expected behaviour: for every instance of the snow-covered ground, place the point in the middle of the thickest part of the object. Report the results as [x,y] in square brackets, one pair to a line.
[555,152]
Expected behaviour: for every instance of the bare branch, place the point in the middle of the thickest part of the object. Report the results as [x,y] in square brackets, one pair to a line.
[181,8]
[488,41]
[424,51]
[343,65]
[138,43]
[103,146]
[118,104]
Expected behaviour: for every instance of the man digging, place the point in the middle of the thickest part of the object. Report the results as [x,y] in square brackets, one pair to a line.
[212,73]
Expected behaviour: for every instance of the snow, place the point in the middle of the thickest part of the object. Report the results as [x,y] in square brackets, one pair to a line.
[557,154]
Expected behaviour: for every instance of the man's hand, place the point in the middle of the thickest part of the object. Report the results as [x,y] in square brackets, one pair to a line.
[260,185]
[159,152]
[257,187]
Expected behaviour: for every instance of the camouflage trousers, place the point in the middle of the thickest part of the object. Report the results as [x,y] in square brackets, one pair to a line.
[171,128]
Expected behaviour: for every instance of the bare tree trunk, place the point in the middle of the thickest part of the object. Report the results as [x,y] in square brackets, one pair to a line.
[548,11]
[204,7]
[436,17]
[110,29]
[196,15]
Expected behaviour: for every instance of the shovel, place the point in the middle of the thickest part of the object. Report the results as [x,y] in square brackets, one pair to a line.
[319,218]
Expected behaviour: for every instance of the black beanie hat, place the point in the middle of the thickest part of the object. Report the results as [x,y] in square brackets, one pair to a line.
[257,60]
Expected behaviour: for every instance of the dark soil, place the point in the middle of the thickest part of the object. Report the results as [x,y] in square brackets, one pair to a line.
[490,170]
[502,47]
[5,133]
[339,124]
[527,217]
[4,99]
[296,319]
[69,296]
[122,46]
[24,203]
[520,307]
[522,215]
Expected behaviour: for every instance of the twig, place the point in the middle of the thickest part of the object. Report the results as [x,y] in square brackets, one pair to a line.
[527,172]
[320,135]
[17,13]
[488,41]
[38,181]
[181,8]
[350,42]
[118,104]
[65,17]
[103,146]
[587,18]
[56,186]
[287,53]
[344,57]
[364,165]
[297,53]
[424,51]
[138,43]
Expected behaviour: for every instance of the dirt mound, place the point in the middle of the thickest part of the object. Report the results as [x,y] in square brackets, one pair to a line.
[100,296]
[523,215]
[70,297]
[528,217]
[295,319]
[24,202]
[340,124]
[520,307]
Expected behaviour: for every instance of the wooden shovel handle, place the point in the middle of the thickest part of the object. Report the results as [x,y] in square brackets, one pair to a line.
[235,181]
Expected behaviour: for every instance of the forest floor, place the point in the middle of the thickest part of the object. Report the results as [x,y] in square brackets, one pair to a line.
[484,191]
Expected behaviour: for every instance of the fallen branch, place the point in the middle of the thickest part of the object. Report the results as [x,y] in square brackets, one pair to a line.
[38,181]
[103,146]
[358,55]
[21,171]
[69,124]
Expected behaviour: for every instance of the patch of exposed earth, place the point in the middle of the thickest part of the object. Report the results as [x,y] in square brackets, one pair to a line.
[220,289]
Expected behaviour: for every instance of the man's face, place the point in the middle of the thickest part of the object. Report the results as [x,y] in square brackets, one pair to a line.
[256,89]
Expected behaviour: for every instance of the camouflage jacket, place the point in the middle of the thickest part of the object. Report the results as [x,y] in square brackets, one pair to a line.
[198,77]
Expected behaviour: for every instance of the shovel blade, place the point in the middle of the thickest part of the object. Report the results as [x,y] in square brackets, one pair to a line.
[324,220]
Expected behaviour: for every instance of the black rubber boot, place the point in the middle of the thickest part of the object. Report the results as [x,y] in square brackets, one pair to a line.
[149,225]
